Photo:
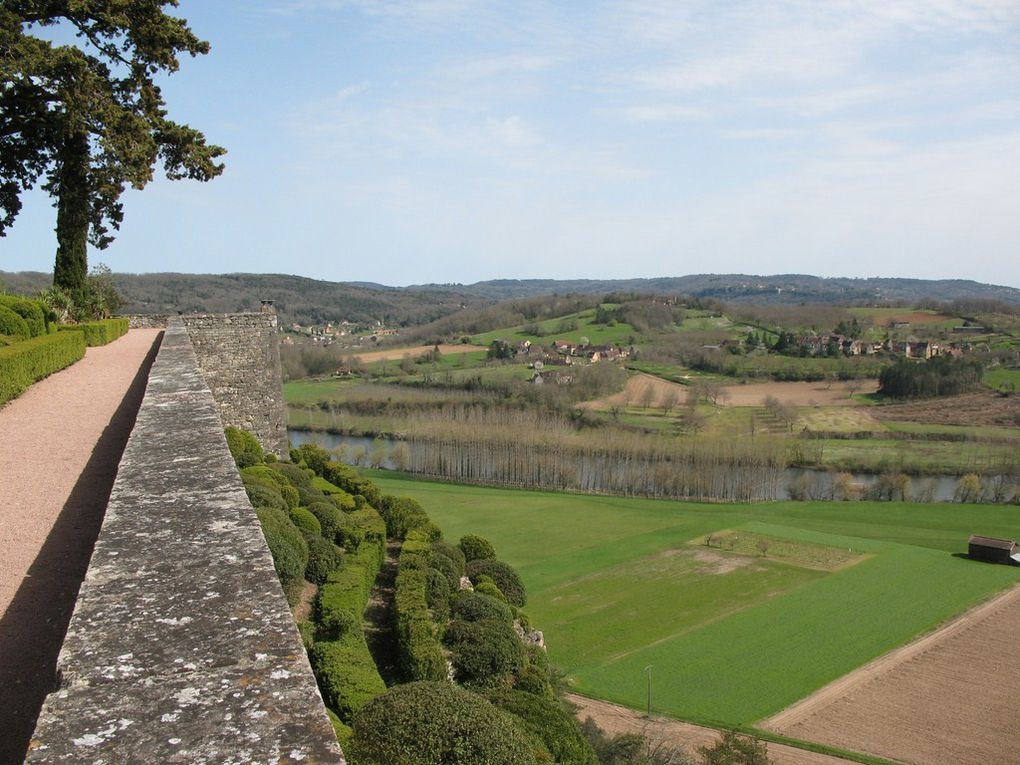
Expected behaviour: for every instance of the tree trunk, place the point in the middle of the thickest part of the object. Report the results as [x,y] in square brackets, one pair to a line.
[71,264]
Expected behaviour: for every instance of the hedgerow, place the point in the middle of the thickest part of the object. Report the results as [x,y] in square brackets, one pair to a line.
[26,362]
[346,673]
[99,332]
[421,654]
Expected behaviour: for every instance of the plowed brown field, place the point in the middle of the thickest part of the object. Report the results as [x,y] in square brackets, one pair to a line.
[643,389]
[796,393]
[947,698]
[395,354]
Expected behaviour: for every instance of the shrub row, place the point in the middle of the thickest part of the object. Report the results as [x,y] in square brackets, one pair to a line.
[421,654]
[26,362]
[99,332]
[346,673]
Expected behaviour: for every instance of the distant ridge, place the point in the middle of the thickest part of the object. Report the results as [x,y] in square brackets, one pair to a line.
[312,301]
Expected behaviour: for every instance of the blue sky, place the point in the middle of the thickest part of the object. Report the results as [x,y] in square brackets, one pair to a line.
[409,141]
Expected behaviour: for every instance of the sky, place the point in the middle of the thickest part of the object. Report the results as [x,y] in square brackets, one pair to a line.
[420,141]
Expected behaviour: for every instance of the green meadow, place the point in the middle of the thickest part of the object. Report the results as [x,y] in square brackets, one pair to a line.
[783,598]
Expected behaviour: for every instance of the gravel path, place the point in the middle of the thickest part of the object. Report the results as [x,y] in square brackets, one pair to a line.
[60,443]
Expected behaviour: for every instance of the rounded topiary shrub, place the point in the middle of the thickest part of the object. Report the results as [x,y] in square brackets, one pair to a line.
[306,521]
[485,652]
[449,569]
[450,552]
[12,325]
[244,447]
[489,588]
[476,607]
[29,310]
[297,476]
[475,547]
[436,723]
[548,721]
[323,559]
[331,520]
[289,549]
[504,575]
[269,476]
[262,496]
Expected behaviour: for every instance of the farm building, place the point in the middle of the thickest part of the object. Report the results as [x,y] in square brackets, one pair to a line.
[992,550]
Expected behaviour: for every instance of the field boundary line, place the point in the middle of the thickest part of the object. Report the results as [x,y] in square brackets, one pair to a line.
[879,666]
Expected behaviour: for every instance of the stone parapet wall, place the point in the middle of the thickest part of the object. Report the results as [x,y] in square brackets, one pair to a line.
[239,356]
[147,320]
[182,648]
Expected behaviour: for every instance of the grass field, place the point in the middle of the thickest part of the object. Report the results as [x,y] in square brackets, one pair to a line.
[1000,377]
[732,636]
[555,329]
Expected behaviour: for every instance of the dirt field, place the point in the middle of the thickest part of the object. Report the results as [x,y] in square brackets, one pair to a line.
[948,697]
[614,720]
[983,408]
[636,393]
[826,393]
[395,354]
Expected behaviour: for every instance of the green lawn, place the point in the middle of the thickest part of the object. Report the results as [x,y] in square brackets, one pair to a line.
[555,329]
[619,584]
[1000,376]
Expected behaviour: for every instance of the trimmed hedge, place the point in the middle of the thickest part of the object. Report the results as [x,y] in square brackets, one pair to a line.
[289,548]
[346,674]
[24,363]
[421,654]
[486,652]
[475,547]
[99,332]
[269,477]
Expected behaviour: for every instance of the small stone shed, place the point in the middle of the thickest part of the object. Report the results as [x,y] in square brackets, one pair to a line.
[991,549]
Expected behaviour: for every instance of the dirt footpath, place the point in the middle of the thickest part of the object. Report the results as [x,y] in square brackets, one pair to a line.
[948,697]
[614,719]
[60,443]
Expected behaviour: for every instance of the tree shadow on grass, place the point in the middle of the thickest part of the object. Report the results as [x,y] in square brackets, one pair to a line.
[33,628]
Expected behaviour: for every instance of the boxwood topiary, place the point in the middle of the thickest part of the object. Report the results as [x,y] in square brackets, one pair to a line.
[474,607]
[289,549]
[550,723]
[298,477]
[448,569]
[486,652]
[439,547]
[306,521]
[261,494]
[244,447]
[476,548]
[489,588]
[277,479]
[436,723]
[29,310]
[331,520]
[13,325]
[323,559]
[505,577]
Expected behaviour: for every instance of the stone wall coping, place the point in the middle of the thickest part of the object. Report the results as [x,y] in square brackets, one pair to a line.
[182,648]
